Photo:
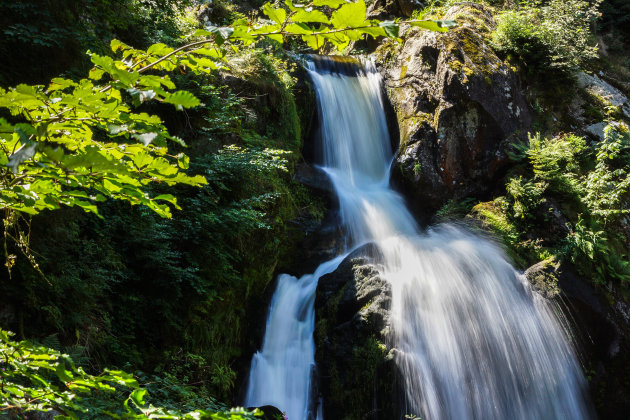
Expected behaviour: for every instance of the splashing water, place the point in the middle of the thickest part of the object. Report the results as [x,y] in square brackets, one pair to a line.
[472,340]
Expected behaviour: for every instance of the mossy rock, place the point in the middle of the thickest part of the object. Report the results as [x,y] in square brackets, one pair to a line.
[458,106]
[355,360]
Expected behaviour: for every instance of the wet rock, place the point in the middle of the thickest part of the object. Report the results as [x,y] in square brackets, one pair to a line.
[355,361]
[543,278]
[269,412]
[382,9]
[458,106]
[600,330]
[313,177]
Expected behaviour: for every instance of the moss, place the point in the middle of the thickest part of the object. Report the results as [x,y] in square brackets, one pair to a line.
[455,209]
[492,216]
[388,51]
[403,71]
[274,107]
[410,123]
[459,67]
[417,169]
[352,387]
[544,279]
[469,54]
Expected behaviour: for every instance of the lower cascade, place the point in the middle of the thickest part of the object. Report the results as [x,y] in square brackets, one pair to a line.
[472,340]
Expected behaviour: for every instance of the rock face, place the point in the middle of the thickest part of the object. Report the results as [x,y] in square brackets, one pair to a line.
[600,331]
[458,107]
[381,9]
[356,366]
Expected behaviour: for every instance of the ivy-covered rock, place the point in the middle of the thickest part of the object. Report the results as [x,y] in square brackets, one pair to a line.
[352,335]
[458,108]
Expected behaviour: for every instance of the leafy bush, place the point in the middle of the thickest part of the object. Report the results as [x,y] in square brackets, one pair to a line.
[35,378]
[586,189]
[46,38]
[119,289]
[526,196]
[608,184]
[552,37]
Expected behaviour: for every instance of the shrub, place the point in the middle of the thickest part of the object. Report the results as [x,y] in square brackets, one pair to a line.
[554,37]
[578,195]
[526,195]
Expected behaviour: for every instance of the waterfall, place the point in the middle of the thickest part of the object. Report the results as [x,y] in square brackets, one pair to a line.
[473,341]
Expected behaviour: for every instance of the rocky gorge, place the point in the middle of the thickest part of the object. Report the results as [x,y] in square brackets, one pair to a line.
[460,111]
[377,209]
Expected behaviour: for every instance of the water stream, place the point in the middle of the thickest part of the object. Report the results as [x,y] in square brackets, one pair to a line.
[473,341]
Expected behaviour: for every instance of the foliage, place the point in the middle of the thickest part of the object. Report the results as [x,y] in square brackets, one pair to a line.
[553,36]
[527,195]
[607,185]
[139,282]
[573,197]
[46,38]
[347,22]
[132,282]
[616,18]
[454,209]
[496,217]
[434,9]
[72,138]
[37,378]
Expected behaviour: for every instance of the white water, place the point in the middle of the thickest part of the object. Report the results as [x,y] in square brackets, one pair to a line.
[473,341]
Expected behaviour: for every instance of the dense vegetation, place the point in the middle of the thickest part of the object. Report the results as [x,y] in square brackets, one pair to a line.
[159,292]
[566,196]
[142,229]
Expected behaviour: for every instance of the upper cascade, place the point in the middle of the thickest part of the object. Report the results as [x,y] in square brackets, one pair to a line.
[338,65]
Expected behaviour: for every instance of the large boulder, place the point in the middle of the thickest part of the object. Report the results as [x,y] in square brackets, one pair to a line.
[458,108]
[352,336]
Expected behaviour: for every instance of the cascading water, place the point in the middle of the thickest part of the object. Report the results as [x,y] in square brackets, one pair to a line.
[281,372]
[472,340]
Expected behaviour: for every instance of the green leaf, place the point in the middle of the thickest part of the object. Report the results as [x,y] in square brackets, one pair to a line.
[163,167]
[349,15]
[117,45]
[183,161]
[333,4]
[182,98]
[314,41]
[137,396]
[60,84]
[62,373]
[339,40]
[221,34]
[374,31]
[27,90]
[159,49]
[169,199]
[434,25]
[278,15]
[298,29]
[313,16]
[391,28]
[96,73]
[104,62]
[276,37]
